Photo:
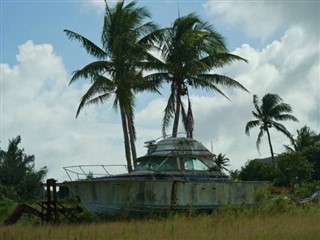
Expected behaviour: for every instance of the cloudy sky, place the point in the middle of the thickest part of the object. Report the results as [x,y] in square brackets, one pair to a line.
[280,40]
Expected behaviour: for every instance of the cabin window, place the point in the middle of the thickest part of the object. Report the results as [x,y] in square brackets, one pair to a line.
[195,164]
[156,163]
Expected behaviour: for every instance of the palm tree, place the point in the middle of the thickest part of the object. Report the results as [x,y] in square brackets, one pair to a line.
[190,49]
[271,110]
[221,162]
[305,138]
[126,40]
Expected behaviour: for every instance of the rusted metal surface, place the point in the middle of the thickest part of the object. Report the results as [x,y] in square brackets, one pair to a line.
[51,208]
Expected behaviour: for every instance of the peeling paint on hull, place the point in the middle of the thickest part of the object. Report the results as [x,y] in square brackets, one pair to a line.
[112,196]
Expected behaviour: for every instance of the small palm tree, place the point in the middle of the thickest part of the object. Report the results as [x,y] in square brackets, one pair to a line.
[190,49]
[126,41]
[271,110]
[234,174]
[221,162]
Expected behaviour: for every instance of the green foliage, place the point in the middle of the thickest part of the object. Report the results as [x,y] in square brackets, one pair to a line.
[294,168]
[116,74]
[18,179]
[190,49]
[221,162]
[312,153]
[234,175]
[305,138]
[6,207]
[268,113]
[255,170]
[86,216]
[307,143]
[307,189]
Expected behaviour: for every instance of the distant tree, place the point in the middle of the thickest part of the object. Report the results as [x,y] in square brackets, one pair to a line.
[234,174]
[294,168]
[307,143]
[18,178]
[312,153]
[305,138]
[256,170]
[221,162]
[267,115]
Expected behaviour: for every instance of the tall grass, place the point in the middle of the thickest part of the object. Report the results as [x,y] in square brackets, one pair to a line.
[229,223]
[270,218]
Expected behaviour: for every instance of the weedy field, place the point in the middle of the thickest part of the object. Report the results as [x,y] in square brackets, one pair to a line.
[278,222]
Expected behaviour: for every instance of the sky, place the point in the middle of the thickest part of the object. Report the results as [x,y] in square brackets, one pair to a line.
[280,40]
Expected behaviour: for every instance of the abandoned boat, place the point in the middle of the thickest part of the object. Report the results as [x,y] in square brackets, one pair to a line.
[175,174]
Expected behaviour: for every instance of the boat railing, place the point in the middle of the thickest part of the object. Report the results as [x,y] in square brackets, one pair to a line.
[88,172]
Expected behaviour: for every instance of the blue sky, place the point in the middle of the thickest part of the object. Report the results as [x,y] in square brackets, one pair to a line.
[280,39]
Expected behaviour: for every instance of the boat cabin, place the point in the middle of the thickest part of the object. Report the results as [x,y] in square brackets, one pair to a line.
[175,154]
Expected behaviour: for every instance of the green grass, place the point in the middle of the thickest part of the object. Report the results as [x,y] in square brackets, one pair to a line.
[230,223]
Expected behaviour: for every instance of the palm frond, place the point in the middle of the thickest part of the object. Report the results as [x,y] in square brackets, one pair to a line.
[92,70]
[187,119]
[269,101]
[217,60]
[281,128]
[256,103]
[86,102]
[226,81]
[257,116]
[102,86]
[168,113]
[258,142]
[206,84]
[88,45]
[284,117]
[250,125]
[281,108]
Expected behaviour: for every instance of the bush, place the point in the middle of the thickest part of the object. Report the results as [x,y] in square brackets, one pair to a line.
[6,207]
[255,170]
[294,168]
[307,189]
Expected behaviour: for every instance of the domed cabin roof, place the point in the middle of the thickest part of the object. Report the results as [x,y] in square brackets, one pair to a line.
[177,146]
[175,154]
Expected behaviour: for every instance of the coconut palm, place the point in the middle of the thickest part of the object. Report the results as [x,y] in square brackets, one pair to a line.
[190,49]
[126,40]
[221,162]
[305,138]
[271,110]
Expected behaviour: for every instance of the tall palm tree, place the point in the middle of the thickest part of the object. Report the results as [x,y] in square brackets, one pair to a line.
[190,49]
[221,162]
[126,40]
[271,110]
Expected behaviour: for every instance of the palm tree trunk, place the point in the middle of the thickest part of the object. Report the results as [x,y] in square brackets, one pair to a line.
[132,137]
[177,114]
[271,150]
[126,139]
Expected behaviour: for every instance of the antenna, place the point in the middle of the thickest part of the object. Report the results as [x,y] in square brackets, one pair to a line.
[178,9]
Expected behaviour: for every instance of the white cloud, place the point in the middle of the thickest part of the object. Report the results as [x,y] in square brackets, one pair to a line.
[38,104]
[97,5]
[262,19]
